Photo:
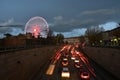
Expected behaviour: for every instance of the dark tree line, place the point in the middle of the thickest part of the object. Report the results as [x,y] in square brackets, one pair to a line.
[94,34]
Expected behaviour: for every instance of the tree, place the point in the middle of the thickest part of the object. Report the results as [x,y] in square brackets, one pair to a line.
[94,34]
[50,33]
[94,30]
[8,35]
[21,35]
[82,39]
[59,38]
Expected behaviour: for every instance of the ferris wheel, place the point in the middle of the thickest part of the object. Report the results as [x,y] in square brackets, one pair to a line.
[37,26]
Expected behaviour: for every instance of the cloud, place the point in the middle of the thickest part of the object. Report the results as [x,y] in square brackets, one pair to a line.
[16,31]
[58,18]
[101,15]
[76,28]
[81,31]
[12,27]
[108,18]
[73,33]
[100,12]
[109,25]
[2,36]
[11,30]
[4,30]
[8,22]
[11,23]
[60,24]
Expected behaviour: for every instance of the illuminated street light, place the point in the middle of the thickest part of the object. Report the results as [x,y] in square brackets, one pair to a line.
[115,40]
[100,41]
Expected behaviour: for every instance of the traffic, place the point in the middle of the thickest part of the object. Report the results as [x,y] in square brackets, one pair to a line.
[70,63]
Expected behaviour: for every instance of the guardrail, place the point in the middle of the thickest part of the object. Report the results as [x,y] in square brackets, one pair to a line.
[115,47]
[16,48]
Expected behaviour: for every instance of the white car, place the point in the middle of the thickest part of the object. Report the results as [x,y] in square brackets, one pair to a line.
[65,59]
[77,61]
[65,73]
[73,58]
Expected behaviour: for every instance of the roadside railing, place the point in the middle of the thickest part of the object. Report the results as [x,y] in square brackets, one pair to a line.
[17,48]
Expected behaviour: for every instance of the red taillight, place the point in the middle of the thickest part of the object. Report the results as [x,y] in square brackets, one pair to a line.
[85,75]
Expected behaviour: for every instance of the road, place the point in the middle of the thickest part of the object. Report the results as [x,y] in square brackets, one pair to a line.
[53,69]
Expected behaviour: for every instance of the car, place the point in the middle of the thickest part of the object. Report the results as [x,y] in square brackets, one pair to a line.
[78,65]
[66,54]
[65,59]
[82,69]
[65,62]
[85,76]
[73,58]
[65,73]
[77,61]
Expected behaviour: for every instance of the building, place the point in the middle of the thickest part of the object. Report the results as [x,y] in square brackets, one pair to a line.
[112,37]
[72,39]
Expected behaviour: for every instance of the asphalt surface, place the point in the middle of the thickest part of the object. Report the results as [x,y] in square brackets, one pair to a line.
[53,68]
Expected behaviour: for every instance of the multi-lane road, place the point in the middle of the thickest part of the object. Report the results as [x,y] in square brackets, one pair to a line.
[69,63]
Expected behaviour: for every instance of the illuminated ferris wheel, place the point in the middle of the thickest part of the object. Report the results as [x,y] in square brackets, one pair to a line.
[37,26]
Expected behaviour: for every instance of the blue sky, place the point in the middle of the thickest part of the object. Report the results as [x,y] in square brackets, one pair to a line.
[63,16]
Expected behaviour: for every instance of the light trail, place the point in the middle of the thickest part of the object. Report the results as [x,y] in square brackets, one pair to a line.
[50,69]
